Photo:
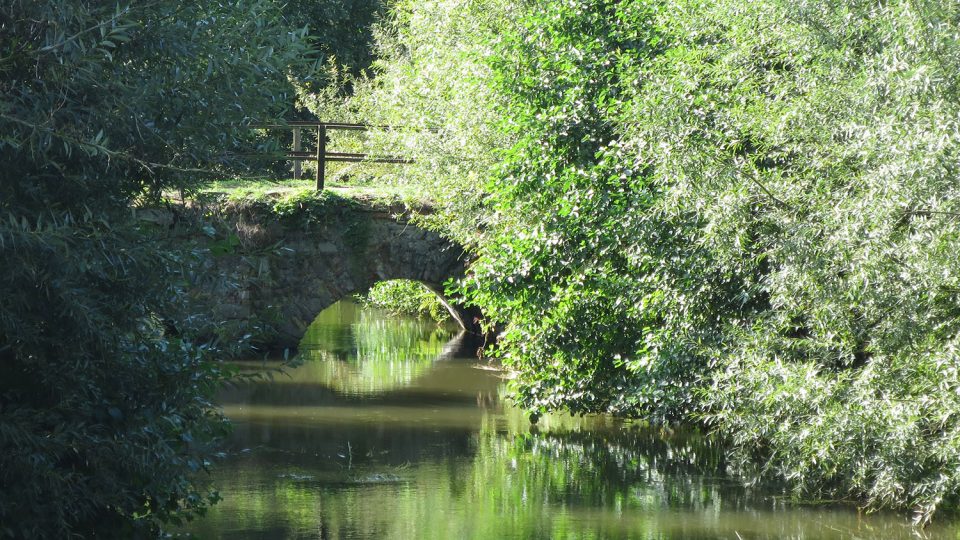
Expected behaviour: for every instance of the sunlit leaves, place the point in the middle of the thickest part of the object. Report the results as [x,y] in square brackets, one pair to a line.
[822,146]
[405,297]
[744,208]
[576,267]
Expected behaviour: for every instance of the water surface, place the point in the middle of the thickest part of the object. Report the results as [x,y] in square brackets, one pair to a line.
[392,428]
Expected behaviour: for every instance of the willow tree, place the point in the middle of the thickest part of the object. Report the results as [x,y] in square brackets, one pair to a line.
[735,212]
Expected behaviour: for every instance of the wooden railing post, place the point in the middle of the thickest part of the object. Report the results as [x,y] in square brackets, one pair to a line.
[321,155]
[297,146]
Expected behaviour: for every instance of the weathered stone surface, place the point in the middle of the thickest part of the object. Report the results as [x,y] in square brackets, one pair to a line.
[308,268]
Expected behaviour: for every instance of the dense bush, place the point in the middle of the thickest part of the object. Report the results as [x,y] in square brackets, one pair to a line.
[738,212]
[104,412]
[341,33]
[607,302]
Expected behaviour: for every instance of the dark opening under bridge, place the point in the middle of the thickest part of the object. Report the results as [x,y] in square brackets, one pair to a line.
[286,260]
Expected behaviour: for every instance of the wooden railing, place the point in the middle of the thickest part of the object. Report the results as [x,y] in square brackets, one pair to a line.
[322,154]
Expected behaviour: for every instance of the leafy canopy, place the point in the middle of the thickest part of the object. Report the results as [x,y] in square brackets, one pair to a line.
[741,213]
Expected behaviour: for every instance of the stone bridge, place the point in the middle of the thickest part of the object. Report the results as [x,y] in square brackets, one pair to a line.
[286,260]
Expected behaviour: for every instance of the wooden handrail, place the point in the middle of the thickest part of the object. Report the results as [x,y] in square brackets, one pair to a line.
[322,156]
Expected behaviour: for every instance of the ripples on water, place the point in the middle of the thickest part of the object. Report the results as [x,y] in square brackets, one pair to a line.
[391,428]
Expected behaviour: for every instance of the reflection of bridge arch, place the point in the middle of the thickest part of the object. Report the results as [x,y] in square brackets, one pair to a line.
[314,260]
[414,362]
[359,351]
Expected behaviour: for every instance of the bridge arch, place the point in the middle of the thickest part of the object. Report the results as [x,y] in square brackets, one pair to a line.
[292,261]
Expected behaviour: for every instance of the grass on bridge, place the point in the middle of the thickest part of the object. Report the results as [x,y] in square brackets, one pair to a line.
[281,188]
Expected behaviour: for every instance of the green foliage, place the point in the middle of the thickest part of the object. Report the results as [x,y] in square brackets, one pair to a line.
[885,435]
[742,212]
[308,208]
[104,401]
[296,206]
[594,285]
[101,415]
[431,84]
[829,137]
[406,297]
[341,34]
[143,97]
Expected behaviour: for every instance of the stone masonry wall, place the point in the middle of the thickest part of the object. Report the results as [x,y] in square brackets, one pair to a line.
[284,264]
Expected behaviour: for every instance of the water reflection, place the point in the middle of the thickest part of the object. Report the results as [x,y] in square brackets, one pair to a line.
[362,351]
[403,436]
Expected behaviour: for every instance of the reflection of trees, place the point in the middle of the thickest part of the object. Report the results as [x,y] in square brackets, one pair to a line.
[490,474]
[360,351]
[641,468]
[510,483]
[600,482]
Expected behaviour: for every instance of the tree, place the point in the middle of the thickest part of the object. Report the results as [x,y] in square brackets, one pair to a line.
[104,414]
[737,213]
[341,30]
